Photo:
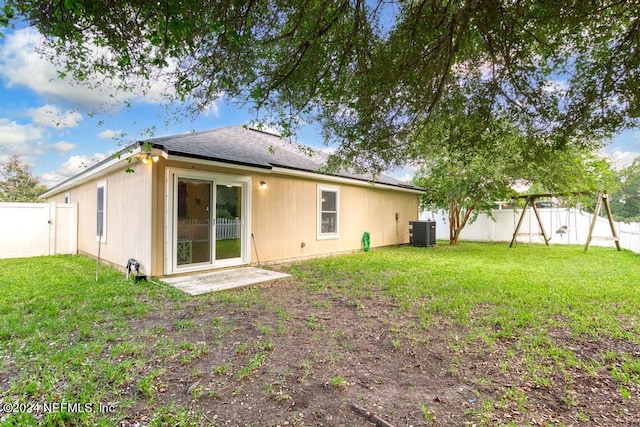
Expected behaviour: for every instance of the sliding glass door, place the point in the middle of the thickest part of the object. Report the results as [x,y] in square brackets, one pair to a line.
[228,221]
[206,220]
[193,244]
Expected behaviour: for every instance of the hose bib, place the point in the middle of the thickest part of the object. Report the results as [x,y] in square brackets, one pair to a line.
[366,241]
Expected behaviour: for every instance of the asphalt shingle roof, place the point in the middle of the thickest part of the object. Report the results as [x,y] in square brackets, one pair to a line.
[250,147]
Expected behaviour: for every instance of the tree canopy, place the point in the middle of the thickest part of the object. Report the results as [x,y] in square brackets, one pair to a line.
[17,184]
[625,200]
[467,159]
[470,157]
[369,72]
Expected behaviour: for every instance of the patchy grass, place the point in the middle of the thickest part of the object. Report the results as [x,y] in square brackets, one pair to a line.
[65,337]
[479,334]
[558,309]
[501,293]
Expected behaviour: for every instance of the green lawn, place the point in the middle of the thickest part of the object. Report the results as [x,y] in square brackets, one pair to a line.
[56,323]
[529,288]
[65,337]
[228,248]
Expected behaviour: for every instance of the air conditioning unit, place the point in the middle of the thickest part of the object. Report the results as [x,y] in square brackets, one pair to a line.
[422,233]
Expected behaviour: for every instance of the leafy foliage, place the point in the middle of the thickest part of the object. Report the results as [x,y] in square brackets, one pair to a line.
[17,184]
[371,72]
[470,158]
[625,202]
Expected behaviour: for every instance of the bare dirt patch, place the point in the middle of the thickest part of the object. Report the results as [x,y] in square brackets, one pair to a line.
[282,354]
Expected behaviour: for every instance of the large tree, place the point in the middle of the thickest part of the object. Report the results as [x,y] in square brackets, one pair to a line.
[467,183]
[472,154]
[371,72]
[468,159]
[17,184]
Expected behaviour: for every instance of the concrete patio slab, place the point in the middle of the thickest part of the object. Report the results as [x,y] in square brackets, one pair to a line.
[198,284]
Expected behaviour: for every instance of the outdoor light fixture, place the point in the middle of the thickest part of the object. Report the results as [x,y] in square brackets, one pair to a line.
[263,184]
[148,158]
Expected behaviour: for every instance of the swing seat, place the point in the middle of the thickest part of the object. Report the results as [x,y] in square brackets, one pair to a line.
[562,230]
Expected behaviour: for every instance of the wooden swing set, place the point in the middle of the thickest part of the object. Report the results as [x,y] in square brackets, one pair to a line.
[530,200]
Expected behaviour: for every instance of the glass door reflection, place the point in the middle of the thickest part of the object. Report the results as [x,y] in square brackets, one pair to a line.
[228,221]
[193,244]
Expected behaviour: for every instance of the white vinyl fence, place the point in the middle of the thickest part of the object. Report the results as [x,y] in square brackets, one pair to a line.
[228,228]
[33,229]
[562,225]
[198,229]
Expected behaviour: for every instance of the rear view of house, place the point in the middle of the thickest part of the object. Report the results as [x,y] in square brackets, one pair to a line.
[227,197]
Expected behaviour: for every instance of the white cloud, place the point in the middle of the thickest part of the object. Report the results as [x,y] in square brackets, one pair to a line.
[328,150]
[406,177]
[63,146]
[20,139]
[22,65]
[27,140]
[54,117]
[405,173]
[211,110]
[621,159]
[556,86]
[73,166]
[110,134]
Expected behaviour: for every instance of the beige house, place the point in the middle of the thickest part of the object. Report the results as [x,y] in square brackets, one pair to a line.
[227,197]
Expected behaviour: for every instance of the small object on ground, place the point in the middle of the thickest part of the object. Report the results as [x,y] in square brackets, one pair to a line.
[133,266]
[371,416]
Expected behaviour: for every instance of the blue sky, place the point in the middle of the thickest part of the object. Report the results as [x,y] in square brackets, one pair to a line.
[54,126]
[59,127]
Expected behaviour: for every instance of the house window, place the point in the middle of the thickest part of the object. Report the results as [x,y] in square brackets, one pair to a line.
[101,212]
[328,212]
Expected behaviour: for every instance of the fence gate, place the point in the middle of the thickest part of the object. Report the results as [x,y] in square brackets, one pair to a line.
[35,229]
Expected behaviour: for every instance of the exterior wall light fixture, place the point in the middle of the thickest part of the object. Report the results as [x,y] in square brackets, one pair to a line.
[148,158]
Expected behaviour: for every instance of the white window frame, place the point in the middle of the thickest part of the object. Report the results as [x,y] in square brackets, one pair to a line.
[103,185]
[320,234]
[171,199]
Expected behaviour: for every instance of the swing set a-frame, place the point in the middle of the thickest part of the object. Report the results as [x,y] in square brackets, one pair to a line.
[603,200]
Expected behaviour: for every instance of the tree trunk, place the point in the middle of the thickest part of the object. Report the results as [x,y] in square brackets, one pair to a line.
[457,221]
[454,217]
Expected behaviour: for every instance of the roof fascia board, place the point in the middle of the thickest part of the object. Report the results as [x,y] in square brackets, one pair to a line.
[343,180]
[98,170]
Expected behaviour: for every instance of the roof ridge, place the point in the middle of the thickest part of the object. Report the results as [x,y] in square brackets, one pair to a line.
[189,133]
